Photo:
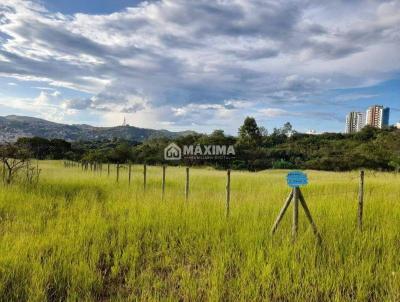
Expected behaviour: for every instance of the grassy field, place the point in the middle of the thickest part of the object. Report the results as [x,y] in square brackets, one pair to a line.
[79,236]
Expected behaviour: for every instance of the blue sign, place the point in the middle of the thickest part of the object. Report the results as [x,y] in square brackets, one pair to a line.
[296,179]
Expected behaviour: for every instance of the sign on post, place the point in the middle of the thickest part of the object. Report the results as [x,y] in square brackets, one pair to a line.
[296,179]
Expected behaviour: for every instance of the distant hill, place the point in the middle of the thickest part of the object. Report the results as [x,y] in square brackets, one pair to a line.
[13,127]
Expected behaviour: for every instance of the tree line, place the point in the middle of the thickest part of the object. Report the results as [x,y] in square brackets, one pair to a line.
[256,149]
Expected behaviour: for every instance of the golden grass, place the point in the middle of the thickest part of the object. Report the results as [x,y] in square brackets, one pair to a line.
[79,236]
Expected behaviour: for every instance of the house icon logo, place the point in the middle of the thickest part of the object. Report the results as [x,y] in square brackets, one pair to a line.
[172,152]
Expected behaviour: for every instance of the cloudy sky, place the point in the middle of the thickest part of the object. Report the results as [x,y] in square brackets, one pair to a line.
[199,64]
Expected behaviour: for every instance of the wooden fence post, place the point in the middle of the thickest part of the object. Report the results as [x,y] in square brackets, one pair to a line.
[228,191]
[187,184]
[361,201]
[129,173]
[108,169]
[27,171]
[118,172]
[163,183]
[4,172]
[144,177]
[295,226]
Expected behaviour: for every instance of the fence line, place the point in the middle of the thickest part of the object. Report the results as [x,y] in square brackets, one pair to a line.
[163,183]
[360,193]
[187,184]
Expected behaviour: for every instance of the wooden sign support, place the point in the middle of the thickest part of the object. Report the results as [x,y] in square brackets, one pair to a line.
[297,197]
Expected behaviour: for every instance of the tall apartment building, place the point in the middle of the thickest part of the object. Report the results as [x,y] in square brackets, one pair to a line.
[355,121]
[378,116]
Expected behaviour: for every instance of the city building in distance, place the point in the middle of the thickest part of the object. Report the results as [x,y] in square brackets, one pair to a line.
[378,116]
[312,132]
[398,125]
[355,121]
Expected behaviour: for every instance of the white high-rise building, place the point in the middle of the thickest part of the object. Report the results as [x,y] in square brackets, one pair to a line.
[378,116]
[312,132]
[355,121]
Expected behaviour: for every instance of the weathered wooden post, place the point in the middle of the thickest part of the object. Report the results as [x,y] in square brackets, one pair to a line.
[282,213]
[361,201]
[144,177]
[129,172]
[27,171]
[108,169]
[187,184]
[228,191]
[118,172]
[295,225]
[296,179]
[163,183]
[4,172]
[309,217]
[37,171]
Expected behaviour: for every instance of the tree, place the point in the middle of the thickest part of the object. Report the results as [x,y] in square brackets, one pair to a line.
[38,146]
[395,164]
[287,129]
[58,148]
[121,154]
[94,156]
[263,131]
[14,158]
[249,132]
[42,148]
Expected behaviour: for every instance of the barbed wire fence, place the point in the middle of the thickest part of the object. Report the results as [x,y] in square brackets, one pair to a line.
[357,193]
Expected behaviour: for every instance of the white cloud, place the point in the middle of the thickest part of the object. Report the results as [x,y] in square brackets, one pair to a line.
[198,61]
[45,105]
[274,112]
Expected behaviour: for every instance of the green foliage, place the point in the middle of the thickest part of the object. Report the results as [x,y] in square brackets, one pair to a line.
[249,133]
[282,164]
[395,164]
[42,148]
[122,153]
[371,148]
[13,158]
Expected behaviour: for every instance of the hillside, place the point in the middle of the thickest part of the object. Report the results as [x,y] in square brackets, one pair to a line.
[13,127]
